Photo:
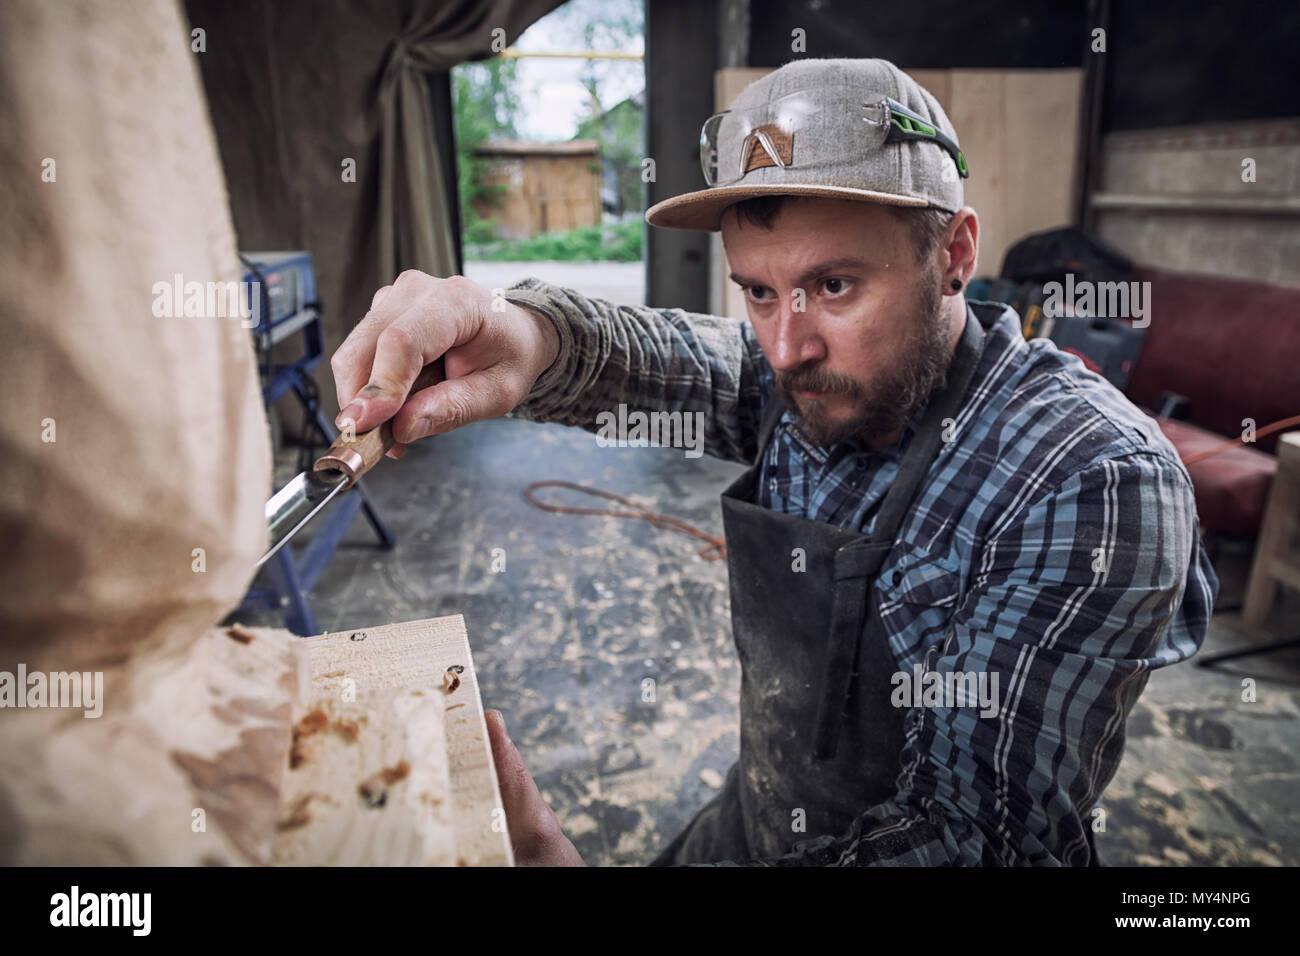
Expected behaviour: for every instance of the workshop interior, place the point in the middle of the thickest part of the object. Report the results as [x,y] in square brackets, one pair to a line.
[295,641]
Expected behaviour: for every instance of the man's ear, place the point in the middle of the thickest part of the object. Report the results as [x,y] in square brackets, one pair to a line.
[961,247]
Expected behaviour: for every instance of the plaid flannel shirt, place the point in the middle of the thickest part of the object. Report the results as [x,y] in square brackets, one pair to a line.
[1054,543]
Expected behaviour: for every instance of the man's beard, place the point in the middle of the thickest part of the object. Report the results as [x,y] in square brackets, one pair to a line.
[883,407]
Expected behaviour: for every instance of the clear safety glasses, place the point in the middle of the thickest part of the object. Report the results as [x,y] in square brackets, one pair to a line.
[763,136]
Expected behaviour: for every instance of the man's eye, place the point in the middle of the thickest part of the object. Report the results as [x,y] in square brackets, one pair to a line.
[756,292]
[835,286]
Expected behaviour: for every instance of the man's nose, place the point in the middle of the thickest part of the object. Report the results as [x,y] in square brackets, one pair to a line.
[797,342]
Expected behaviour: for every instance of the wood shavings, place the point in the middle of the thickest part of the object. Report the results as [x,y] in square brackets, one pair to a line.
[313,723]
[396,773]
[310,723]
[298,814]
[241,634]
[374,789]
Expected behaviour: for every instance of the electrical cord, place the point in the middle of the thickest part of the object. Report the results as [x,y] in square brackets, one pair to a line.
[1259,433]
[717,547]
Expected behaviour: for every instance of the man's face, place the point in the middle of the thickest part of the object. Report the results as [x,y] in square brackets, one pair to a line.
[852,324]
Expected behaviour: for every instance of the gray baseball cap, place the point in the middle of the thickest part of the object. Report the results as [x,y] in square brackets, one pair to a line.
[818,128]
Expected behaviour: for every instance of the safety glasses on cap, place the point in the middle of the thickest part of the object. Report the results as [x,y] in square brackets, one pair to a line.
[764,135]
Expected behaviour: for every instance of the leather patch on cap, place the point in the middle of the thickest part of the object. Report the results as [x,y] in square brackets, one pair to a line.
[756,153]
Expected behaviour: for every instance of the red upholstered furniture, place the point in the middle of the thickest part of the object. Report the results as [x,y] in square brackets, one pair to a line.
[1232,486]
[1232,347]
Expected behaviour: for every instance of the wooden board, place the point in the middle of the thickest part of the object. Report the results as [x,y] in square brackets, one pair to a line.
[392,767]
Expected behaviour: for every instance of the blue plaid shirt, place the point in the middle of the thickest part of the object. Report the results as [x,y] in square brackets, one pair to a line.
[1054,543]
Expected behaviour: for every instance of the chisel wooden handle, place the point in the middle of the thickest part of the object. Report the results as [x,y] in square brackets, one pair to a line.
[356,457]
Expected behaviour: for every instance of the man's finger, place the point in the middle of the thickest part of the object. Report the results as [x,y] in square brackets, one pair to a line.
[412,341]
[452,404]
[351,361]
[535,833]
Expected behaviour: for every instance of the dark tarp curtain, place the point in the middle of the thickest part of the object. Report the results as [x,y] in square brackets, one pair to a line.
[297,88]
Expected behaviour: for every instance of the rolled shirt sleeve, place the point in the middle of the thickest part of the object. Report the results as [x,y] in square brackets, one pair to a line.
[651,360]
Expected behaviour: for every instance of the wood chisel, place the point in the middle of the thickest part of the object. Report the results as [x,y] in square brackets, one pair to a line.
[333,472]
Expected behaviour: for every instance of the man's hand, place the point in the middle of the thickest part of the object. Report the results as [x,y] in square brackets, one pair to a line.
[493,357]
[535,832]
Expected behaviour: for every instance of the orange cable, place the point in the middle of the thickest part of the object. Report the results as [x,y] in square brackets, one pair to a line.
[1260,433]
[715,549]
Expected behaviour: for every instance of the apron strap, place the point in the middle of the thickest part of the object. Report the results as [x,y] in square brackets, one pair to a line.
[857,564]
[929,436]
[772,413]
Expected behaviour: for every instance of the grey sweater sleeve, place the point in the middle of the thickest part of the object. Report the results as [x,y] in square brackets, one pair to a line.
[650,360]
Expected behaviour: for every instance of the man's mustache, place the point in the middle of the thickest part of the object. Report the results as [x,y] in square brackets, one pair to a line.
[817,380]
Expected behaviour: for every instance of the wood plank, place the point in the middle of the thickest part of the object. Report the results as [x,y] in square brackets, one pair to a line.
[1041,122]
[1277,531]
[416,655]
[939,83]
[725,297]
[977,116]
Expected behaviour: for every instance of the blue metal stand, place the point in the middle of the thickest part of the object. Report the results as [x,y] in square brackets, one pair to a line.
[287,305]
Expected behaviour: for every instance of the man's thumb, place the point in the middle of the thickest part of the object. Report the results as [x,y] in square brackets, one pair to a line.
[511,772]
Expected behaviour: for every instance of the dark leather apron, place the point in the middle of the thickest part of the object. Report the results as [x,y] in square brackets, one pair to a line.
[819,739]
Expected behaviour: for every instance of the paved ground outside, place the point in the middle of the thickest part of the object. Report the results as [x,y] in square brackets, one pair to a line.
[621,282]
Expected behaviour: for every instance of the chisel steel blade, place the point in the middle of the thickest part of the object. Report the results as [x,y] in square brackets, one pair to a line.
[297,502]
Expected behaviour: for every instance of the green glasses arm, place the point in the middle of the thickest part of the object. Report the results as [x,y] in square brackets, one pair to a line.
[905,126]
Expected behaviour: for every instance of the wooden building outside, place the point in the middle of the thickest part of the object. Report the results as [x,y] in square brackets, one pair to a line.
[549,187]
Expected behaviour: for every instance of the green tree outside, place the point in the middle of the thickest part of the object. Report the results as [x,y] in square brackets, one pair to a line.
[485,102]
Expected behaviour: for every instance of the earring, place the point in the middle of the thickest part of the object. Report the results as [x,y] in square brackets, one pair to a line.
[956,285]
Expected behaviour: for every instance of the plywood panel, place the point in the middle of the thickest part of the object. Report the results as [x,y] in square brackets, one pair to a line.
[725,297]
[1041,120]
[938,82]
[977,113]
